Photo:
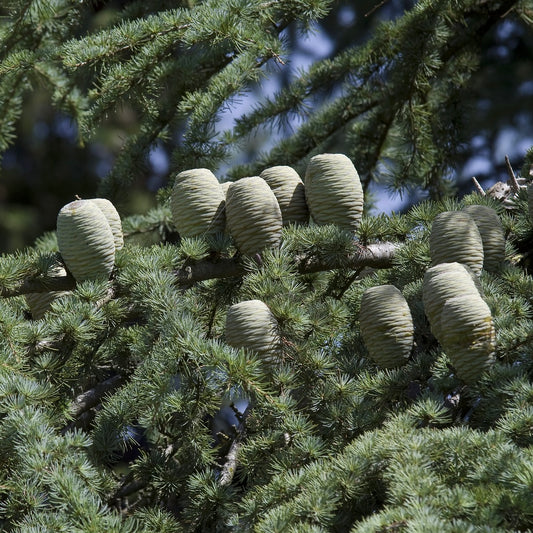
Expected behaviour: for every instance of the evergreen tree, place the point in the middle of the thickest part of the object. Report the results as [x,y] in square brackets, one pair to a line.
[226,362]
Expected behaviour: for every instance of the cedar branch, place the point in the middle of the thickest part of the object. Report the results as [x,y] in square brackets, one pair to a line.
[379,255]
[92,397]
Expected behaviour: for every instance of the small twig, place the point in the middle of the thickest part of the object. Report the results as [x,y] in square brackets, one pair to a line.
[479,187]
[508,11]
[230,466]
[130,488]
[92,397]
[110,295]
[512,178]
[348,283]
[277,57]
[212,316]
[376,7]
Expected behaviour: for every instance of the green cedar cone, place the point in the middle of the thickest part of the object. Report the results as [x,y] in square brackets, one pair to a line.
[111,213]
[454,237]
[251,324]
[290,192]
[492,235]
[442,282]
[333,191]
[197,203]
[468,336]
[85,240]
[386,325]
[253,215]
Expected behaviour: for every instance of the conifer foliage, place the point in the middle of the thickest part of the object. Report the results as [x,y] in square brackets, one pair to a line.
[329,376]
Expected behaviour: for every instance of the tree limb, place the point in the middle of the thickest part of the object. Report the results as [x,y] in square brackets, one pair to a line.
[92,397]
[380,255]
[84,402]
[40,284]
[230,465]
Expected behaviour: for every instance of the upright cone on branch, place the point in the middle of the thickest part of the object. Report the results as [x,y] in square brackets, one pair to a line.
[386,325]
[492,235]
[289,190]
[197,203]
[253,215]
[111,213]
[442,282]
[85,240]
[333,191]
[251,324]
[468,336]
[455,237]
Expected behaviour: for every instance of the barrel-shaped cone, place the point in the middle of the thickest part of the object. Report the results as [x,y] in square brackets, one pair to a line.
[386,325]
[333,191]
[289,190]
[455,237]
[111,213]
[442,282]
[85,240]
[492,235]
[250,324]
[197,203]
[468,336]
[253,215]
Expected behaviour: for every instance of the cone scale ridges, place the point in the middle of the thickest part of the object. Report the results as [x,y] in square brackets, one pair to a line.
[386,325]
[442,282]
[492,235]
[85,240]
[468,336]
[113,218]
[455,237]
[251,324]
[290,193]
[333,191]
[197,203]
[253,215]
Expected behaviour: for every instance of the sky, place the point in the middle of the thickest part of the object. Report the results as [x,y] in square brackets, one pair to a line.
[487,153]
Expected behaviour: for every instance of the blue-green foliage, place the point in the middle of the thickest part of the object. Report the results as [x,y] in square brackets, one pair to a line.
[124,409]
[328,440]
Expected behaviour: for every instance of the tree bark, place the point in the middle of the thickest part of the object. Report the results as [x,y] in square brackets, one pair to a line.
[380,255]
